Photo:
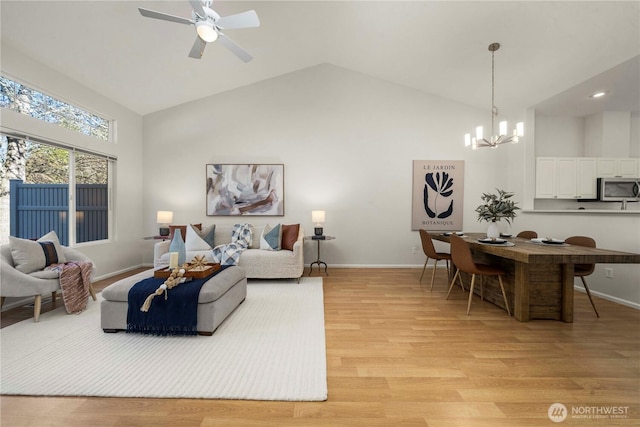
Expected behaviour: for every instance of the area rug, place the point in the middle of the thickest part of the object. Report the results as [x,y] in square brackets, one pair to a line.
[272,347]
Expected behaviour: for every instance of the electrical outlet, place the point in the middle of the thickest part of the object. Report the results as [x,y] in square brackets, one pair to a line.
[608,273]
[414,250]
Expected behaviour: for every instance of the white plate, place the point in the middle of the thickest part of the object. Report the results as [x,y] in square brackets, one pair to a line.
[548,241]
[492,241]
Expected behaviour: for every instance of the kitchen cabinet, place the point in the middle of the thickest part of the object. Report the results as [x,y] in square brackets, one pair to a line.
[618,167]
[546,178]
[566,178]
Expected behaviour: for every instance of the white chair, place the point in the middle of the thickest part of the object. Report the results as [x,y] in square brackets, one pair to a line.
[14,283]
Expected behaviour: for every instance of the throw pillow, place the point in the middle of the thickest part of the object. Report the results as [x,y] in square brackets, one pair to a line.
[29,256]
[193,241]
[208,235]
[183,230]
[271,238]
[53,237]
[289,236]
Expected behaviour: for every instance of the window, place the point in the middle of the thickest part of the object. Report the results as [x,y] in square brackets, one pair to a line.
[47,187]
[25,100]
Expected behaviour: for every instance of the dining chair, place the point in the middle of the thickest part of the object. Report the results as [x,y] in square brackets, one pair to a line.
[582,270]
[463,260]
[430,251]
[527,234]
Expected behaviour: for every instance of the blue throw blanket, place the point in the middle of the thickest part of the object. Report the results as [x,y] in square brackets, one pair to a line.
[177,315]
[229,254]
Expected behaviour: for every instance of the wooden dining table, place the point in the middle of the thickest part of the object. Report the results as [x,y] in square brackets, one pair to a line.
[539,277]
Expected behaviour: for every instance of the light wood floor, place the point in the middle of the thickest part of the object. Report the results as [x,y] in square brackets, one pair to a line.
[399,354]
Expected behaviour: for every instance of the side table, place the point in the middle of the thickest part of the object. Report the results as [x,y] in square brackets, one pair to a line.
[323,238]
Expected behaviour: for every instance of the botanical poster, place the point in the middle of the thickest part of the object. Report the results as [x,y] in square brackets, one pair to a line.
[438,195]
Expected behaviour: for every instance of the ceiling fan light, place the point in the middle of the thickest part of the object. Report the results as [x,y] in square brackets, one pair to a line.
[206,31]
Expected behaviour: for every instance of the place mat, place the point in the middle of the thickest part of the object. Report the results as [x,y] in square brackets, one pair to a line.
[556,242]
[502,244]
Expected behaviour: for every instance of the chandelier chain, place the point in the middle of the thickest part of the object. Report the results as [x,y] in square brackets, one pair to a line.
[494,109]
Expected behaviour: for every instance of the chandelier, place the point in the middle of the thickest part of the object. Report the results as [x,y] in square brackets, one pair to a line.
[494,140]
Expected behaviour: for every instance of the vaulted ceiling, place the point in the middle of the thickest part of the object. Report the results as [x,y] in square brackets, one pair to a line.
[438,47]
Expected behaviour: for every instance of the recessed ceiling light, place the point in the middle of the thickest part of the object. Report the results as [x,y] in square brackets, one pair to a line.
[599,94]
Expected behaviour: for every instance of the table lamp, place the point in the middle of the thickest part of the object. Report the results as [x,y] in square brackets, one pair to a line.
[318,218]
[164,218]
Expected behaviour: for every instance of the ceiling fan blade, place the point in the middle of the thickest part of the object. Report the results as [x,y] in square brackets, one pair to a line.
[247,19]
[233,47]
[164,16]
[197,8]
[198,48]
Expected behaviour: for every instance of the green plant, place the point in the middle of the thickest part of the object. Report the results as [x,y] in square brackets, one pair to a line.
[497,206]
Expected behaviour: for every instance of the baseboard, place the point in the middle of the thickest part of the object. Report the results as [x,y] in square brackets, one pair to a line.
[379,266]
[609,298]
[124,270]
[28,300]
[19,303]
[620,301]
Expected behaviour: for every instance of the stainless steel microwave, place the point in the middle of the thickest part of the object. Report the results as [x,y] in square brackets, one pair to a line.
[618,189]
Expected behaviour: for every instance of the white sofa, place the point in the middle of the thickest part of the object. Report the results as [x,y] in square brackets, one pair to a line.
[257,263]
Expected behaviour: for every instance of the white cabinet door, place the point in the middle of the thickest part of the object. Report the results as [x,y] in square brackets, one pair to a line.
[586,178]
[566,178]
[618,167]
[628,168]
[606,168]
[545,178]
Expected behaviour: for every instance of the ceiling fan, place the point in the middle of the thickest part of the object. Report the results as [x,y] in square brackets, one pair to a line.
[209,25]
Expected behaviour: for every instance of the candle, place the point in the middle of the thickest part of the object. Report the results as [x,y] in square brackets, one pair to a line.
[173,260]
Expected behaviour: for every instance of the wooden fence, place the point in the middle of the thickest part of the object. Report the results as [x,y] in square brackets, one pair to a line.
[37,209]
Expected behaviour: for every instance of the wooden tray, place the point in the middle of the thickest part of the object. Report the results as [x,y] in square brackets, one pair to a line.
[164,273]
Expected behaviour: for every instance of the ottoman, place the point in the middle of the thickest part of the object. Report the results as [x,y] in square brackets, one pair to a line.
[219,296]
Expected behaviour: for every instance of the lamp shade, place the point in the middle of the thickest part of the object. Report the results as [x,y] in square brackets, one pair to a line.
[317,217]
[164,217]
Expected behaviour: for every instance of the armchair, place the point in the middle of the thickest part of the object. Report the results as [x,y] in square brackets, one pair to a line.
[14,283]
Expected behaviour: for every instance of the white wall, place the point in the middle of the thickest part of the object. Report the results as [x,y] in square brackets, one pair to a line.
[559,136]
[347,142]
[606,134]
[125,250]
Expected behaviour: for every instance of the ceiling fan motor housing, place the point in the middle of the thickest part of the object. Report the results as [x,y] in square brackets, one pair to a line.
[211,15]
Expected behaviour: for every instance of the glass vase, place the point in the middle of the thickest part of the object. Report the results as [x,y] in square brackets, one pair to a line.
[177,245]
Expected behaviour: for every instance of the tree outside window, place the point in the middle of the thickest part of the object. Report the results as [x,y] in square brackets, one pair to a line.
[47,171]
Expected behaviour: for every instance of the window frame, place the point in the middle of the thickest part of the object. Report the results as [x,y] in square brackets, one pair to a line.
[46,116]
[71,212]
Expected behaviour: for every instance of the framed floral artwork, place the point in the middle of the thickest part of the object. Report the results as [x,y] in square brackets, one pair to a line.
[438,195]
[245,189]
